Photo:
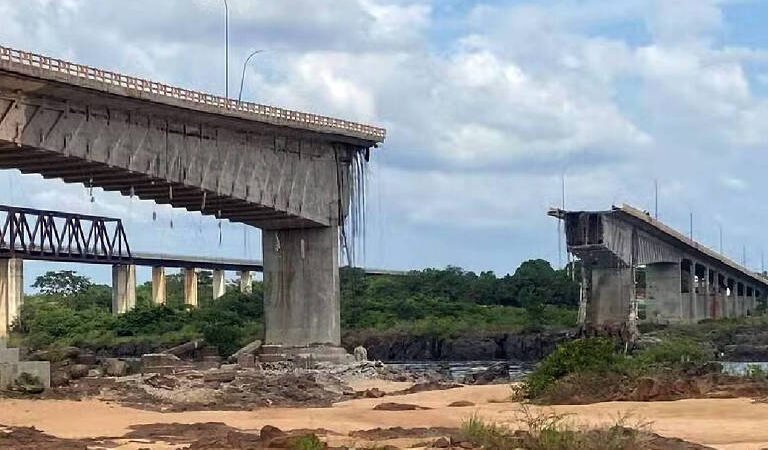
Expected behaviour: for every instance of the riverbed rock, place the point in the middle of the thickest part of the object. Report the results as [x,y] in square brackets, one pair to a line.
[460,404]
[391,406]
[76,371]
[495,373]
[114,367]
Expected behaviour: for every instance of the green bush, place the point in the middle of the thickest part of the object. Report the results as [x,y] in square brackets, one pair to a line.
[592,355]
[673,352]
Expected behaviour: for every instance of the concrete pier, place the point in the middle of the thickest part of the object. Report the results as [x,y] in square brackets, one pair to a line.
[610,296]
[246,282]
[159,291]
[11,292]
[301,286]
[219,284]
[190,287]
[123,288]
[665,304]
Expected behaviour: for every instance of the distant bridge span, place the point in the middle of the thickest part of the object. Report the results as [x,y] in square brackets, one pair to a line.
[43,235]
[637,268]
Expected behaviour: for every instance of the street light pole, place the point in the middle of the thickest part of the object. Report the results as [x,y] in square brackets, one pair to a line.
[226,49]
[242,78]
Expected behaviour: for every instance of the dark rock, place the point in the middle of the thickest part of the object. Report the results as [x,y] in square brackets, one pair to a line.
[76,371]
[373,393]
[441,443]
[87,358]
[461,404]
[497,372]
[114,367]
[220,376]
[398,407]
[268,432]
[59,378]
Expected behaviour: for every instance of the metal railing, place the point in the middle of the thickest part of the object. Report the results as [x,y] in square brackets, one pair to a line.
[113,79]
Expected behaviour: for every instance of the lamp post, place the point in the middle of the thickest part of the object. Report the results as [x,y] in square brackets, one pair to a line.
[226,49]
[242,78]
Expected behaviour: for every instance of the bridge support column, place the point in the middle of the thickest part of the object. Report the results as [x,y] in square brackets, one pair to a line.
[11,292]
[190,287]
[158,286]
[123,288]
[301,286]
[663,292]
[246,282]
[609,300]
[219,284]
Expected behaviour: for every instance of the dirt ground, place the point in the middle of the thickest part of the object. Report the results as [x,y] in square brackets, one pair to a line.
[719,423]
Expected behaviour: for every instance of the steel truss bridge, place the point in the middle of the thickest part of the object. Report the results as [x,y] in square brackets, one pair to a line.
[36,234]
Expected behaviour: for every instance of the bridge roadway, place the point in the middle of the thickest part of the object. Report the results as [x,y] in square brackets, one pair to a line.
[635,268]
[295,175]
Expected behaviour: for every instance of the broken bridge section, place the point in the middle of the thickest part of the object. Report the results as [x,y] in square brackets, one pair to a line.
[635,268]
[287,172]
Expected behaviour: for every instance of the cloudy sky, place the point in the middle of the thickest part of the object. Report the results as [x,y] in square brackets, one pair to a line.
[488,105]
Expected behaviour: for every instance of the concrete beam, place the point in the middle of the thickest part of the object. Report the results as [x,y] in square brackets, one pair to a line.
[11,292]
[219,284]
[123,288]
[159,291]
[190,287]
[246,282]
[301,286]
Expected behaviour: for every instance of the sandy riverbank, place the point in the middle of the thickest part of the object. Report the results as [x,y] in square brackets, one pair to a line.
[722,423]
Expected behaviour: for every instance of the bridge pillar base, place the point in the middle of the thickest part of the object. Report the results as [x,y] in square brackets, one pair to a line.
[123,288]
[11,292]
[301,287]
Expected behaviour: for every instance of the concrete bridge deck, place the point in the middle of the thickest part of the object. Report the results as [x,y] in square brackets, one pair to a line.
[637,268]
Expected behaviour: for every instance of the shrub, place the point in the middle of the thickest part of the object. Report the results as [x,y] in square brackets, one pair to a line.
[674,352]
[585,355]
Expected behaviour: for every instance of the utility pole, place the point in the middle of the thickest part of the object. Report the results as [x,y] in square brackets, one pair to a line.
[691,220]
[720,228]
[744,255]
[226,49]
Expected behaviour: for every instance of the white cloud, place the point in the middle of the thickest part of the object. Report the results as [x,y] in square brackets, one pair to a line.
[484,110]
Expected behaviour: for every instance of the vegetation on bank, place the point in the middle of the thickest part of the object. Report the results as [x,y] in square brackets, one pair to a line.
[596,368]
[70,309]
[551,431]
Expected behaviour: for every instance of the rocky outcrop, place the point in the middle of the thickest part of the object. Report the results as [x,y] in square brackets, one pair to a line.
[509,346]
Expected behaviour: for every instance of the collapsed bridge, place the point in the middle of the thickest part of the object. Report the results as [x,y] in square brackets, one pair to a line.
[290,173]
[637,268]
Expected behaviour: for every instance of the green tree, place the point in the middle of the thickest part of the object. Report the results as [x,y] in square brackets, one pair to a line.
[62,283]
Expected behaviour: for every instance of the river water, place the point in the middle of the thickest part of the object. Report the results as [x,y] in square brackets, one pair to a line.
[456,370]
